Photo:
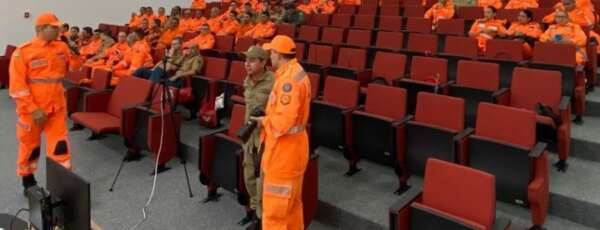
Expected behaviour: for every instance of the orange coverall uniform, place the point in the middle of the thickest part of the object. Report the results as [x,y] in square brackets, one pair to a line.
[306,8]
[482,37]
[36,72]
[485,3]
[286,148]
[198,4]
[521,4]
[111,54]
[215,24]
[243,29]
[439,11]
[580,16]
[230,27]
[532,29]
[570,31]
[167,37]
[137,57]
[262,30]
[204,41]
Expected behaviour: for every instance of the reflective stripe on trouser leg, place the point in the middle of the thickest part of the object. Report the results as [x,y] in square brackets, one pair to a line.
[282,203]
[28,136]
[57,146]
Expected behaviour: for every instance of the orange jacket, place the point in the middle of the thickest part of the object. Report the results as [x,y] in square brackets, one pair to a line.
[215,24]
[485,3]
[243,29]
[137,57]
[230,27]
[135,21]
[162,19]
[91,48]
[259,7]
[204,42]
[187,24]
[579,16]
[496,25]
[284,126]
[36,72]
[198,4]
[326,8]
[262,30]
[521,4]
[439,11]
[167,37]
[197,22]
[569,31]
[532,29]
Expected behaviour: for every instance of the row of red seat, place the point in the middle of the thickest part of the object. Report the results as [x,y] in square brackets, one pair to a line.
[4,63]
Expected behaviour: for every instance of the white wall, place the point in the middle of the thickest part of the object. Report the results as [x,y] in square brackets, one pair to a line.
[15,29]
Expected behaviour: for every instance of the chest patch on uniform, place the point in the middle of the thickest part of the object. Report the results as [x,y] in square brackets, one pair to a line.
[287,87]
[285,99]
[38,63]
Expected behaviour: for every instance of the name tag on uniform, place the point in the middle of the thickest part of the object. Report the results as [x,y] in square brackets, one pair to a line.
[38,63]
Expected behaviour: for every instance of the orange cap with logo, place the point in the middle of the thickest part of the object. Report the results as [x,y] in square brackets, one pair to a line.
[281,44]
[47,19]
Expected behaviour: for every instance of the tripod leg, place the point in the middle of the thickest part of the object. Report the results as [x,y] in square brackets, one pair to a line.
[187,178]
[117,176]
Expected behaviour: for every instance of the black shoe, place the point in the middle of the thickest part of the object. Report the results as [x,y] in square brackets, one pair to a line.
[255,225]
[578,120]
[561,165]
[28,182]
[536,227]
[250,217]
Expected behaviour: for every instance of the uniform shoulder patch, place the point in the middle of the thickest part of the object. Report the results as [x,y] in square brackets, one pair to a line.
[287,87]
[285,99]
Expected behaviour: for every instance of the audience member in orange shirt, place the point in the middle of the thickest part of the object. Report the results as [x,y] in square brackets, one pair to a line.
[487,28]
[137,57]
[186,21]
[171,31]
[176,12]
[521,4]
[264,29]
[198,4]
[161,15]
[215,20]
[111,55]
[198,21]
[306,7]
[526,31]
[579,15]
[497,4]
[325,7]
[262,6]
[246,24]
[230,25]
[205,40]
[565,32]
[444,9]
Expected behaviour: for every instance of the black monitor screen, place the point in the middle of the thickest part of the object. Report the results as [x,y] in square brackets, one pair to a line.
[73,191]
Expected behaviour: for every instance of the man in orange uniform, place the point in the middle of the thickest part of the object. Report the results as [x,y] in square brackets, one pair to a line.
[137,57]
[198,4]
[487,28]
[578,15]
[91,44]
[264,29]
[230,25]
[521,4]
[497,4]
[306,7]
[161,15]
[325,7]
[36,72]
[186,21]
[205,40]
[246,25]
[525,31]
[444,9]
[198,21]
[215,20]
[113,54]
[285,138]
[565,32]
[171,31]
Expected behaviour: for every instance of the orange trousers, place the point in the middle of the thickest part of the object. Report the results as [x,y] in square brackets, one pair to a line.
[282,203]
[29,137]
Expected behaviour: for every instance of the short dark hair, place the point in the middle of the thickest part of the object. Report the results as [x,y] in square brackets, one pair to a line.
[88,30]
[75,28]
[528,13]
[494,10]
[65,25]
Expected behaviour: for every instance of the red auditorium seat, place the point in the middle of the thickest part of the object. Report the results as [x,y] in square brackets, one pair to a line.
[391,41]
[300,51]
[308,33]
[73,77]
[377,129]
[540,13]
[548,3]
[510,15]
[243,44]
[413,11]
[532,88]
[341,20]
[330,118]
[4,65]
[470,13]
[388,67]
[418,25]
[205,87]
[364,21]
[100,80]
[351,63]
[315,84]
[319,58]
[346,9]
[573,79]
[104,111]
[332,35]
[189,35]
[359,38]
[458,48]
[223,45]
[504,145]
[320,19]
[476,82]
[286,29]
[427,74]
[390,23]
[507,53]
[454,26]
[422,43]
[437,131]
[233,86]
[453,197]
[387,3]
[390,10]
[368,9]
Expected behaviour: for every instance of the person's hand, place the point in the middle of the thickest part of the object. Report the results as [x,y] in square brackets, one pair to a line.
[39,117]
[173,78]
[257,119]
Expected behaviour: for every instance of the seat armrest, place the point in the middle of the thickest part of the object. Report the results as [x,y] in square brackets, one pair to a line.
[564,103]
[402,121]
[446,84]
[401,206]
[501,96]
[538,150]
[464,133]
[96,101]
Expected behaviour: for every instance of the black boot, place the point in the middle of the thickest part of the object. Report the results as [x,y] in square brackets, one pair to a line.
[255,225]
[250,217]
[28,182]
[561,165]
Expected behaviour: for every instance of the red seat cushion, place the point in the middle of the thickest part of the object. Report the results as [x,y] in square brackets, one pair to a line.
[98,122]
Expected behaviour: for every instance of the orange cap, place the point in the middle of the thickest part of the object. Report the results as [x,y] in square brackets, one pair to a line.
[47,19]
[281,44]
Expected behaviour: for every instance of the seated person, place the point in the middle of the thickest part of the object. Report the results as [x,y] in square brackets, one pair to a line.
[262,6]
[198,21]
[325,7]
[497,4]
[306,7]
[263,29]
[566,32]
[137,57]
[175,12]
[246,24]
[170,32]
[581,16]
[154,34]
[521,4]
[186,21]
[161,15]
[112,55]
[198,4]
[444,9]
[214,22]
[487,28]
[180,64]
[205,40]
[230,25]
[526,31]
